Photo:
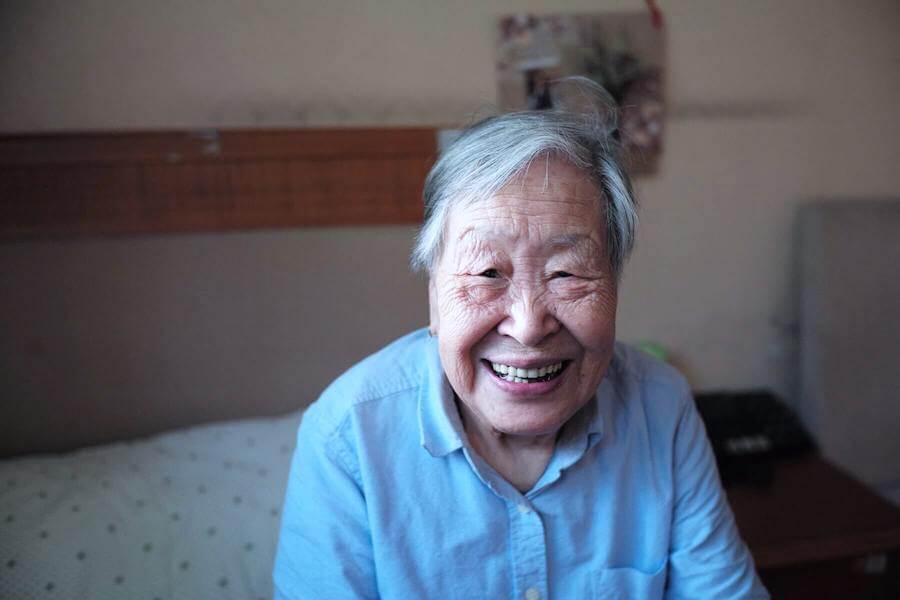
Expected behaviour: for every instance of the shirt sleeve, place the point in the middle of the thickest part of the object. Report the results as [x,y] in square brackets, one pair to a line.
[324,549]
[708,558]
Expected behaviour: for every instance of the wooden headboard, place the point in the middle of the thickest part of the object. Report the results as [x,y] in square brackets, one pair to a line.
[207,180]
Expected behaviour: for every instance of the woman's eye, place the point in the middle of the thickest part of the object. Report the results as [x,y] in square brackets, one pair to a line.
[490,273]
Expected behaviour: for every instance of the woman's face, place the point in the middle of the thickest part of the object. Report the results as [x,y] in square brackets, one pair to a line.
[523,301]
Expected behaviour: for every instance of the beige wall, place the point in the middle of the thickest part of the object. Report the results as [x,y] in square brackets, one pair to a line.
[116,337]
[772,103]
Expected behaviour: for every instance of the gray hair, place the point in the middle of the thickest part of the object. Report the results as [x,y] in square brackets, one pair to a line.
[493,152]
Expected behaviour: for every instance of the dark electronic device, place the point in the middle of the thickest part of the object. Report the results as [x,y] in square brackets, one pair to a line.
[748,431]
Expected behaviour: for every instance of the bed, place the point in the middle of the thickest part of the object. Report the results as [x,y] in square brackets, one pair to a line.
[192,513]
[176,301]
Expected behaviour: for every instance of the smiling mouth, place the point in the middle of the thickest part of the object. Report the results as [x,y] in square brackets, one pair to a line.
[534,375]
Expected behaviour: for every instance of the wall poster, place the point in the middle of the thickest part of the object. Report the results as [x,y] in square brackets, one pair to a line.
[623,52]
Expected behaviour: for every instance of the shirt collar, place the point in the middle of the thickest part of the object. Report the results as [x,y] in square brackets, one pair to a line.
[439,423]
[578,435]
[586,426]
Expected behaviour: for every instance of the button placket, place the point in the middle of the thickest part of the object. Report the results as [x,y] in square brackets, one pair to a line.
[529,551]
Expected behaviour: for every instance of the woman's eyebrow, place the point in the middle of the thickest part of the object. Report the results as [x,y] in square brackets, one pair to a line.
[468,232]
[473,245]
[583,248]
[470,240]
[579,242]
[473,241]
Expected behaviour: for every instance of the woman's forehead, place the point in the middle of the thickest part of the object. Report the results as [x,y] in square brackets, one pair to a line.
[476,242]
[497,224]
[552,205]
[531,213]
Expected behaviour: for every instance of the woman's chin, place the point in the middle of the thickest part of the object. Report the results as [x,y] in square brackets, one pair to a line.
[527,425]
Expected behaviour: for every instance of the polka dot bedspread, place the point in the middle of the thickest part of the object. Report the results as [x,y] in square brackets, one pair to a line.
[189,514]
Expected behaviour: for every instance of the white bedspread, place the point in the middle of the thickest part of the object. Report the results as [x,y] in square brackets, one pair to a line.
[190,514]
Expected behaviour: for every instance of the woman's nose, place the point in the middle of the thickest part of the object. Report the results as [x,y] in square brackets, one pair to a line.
[529,321]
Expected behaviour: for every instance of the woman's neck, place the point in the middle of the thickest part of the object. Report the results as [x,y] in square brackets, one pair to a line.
[520,459]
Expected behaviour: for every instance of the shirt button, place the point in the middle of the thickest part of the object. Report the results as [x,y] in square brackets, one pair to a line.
[532,594]
[525,510]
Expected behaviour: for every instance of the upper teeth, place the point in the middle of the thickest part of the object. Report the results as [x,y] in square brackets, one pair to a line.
[516,372]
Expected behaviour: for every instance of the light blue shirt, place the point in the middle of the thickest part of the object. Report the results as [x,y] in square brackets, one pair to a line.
[386,498]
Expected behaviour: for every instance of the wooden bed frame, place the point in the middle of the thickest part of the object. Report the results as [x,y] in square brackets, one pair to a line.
[210,180]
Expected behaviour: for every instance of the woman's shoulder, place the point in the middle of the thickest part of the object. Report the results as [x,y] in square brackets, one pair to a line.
[635,364]
[650,382]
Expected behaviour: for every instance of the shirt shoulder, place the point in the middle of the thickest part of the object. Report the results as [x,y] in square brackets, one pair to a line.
[393,370]
[650,385]
[637,365]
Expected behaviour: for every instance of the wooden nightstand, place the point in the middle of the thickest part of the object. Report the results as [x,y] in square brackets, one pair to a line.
[815,532]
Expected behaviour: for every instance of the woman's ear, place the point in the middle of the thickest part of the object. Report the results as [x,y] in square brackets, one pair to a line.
[433,315]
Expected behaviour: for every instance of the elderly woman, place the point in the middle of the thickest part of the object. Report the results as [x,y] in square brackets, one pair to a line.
[513,450]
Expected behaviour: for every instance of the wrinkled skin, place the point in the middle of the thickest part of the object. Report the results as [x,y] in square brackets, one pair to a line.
[523,280]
